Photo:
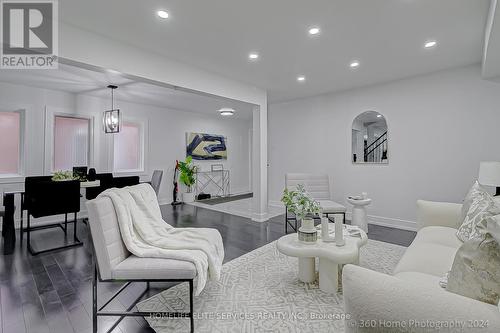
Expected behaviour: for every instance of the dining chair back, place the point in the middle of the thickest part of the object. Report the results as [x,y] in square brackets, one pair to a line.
[156,181]
[44,197]
[120,182]
[105,180]
[47,198]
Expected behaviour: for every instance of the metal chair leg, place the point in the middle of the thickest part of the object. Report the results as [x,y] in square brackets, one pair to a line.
[74,229]
[286,221]
[21,227]
[191,310]
[94,300]
[34,252]
[28,236]
[65,224]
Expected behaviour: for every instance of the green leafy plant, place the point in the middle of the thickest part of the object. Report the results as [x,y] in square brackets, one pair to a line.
[62,175]
[300,202]
[187,171]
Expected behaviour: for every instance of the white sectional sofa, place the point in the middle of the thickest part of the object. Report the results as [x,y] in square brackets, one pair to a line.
[411,300]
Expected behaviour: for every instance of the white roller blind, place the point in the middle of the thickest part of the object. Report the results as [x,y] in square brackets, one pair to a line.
[71,142]
[127,147]
[10,142]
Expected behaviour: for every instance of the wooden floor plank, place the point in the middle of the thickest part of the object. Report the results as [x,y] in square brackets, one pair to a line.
[52,292]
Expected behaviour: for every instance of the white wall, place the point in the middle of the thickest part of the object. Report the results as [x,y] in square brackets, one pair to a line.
[440,127]
[85,47]
[166,139]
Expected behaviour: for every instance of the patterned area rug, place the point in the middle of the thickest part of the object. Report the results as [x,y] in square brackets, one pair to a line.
[260,292]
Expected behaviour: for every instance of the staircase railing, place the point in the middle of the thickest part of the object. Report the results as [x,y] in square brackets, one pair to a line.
[377,150]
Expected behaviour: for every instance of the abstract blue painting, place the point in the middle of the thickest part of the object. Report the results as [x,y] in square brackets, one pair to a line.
[201,146]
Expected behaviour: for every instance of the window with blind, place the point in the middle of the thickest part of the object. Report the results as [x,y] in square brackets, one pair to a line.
[71,142]
[10,143]
[128,148]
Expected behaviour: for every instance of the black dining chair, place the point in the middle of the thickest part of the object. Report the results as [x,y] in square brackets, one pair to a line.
[156,181]
[120,182]
[32,179]
[105,180]
[47,198]
[2,214]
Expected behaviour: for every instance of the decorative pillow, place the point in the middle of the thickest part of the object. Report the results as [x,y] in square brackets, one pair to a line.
[475,272]
[475,209]
[492,226]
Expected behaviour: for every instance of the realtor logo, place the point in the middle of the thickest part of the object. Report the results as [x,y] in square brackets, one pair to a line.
[29,38]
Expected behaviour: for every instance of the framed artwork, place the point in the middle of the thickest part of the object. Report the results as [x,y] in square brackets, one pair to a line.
[201,146]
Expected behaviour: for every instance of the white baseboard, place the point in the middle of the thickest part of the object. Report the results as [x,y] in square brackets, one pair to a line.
[389,222]
[162,202]
[372,219]
[260,217]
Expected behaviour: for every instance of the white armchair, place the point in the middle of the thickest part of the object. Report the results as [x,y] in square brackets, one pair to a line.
[412,297]
[113,263]
[318,186]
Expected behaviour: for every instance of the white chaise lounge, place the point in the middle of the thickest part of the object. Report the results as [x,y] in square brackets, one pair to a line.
[116,264]
[318,186]
[411,299]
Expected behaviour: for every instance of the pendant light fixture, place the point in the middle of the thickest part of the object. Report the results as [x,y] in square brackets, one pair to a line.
[111,118]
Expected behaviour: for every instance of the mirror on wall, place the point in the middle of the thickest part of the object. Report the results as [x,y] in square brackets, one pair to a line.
[369,138]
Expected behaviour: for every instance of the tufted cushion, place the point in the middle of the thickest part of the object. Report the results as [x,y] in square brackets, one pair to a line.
[109,247]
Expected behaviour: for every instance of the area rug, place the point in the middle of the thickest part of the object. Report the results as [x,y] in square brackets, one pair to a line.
[260,292]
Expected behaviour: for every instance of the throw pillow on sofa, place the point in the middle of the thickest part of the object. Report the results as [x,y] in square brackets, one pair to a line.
[477,206]
[475,190]
[475,272]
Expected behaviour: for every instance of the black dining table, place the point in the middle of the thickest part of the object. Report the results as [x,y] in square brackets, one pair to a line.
[8,227]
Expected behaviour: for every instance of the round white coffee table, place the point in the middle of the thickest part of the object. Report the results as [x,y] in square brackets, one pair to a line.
[359,216]
[330,257]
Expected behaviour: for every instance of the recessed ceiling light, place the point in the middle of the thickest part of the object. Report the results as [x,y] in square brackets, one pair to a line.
[354,64]
[226,112]
[253,56]
[430,43]
[162,14]
[379,116]
[301,78]
[314,31]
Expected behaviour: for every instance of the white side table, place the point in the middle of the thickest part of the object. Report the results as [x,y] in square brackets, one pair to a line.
[359,216]
[331,258]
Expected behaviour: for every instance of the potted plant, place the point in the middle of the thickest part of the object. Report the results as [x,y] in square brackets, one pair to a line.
[60,176]
[304,207]
[187,177]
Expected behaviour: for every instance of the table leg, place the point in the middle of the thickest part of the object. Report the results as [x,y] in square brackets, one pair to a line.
[359,217]
[307,270]
[8,224]
[328,276]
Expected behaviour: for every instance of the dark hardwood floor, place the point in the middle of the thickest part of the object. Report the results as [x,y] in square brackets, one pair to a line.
[52,292]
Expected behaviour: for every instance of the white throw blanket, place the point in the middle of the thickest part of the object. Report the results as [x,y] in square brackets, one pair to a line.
[146,234]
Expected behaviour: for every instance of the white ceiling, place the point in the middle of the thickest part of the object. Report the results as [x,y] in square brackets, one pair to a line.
[385,35]
[83,81]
